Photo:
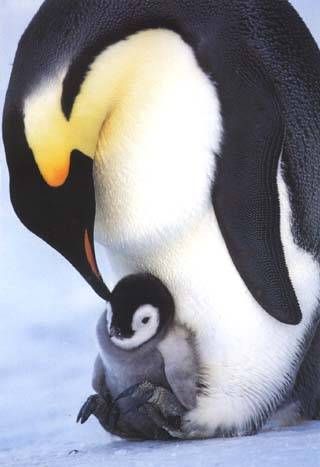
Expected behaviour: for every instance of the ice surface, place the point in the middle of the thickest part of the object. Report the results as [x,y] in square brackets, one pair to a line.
[47,347]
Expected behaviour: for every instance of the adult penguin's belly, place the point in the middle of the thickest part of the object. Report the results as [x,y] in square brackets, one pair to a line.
[154,162]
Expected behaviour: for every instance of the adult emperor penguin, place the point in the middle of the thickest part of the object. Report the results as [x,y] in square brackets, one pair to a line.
[194,128]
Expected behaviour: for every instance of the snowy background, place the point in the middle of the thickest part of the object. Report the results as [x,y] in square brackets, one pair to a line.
[47,345]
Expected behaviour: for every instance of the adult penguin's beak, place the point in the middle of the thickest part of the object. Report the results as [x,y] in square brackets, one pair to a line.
[53,196]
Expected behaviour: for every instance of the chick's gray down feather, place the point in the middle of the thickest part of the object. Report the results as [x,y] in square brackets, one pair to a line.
[167,360]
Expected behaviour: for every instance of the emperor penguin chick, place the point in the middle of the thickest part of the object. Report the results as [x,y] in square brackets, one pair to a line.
[147,366]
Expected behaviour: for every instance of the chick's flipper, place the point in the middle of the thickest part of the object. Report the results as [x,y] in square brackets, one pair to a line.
[99,407]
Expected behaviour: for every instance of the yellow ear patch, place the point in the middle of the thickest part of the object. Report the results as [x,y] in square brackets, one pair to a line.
[48,133]
[52,137]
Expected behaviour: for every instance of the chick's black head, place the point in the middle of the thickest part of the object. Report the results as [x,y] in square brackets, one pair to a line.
[131,294]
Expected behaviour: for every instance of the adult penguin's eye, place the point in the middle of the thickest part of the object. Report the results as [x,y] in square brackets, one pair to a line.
[145,320]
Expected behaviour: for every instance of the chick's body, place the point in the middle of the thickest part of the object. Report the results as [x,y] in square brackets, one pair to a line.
[141,346]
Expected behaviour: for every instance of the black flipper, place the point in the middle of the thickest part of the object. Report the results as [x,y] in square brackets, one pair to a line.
[245,194]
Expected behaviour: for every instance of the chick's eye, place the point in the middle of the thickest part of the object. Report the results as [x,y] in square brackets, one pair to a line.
[145,320]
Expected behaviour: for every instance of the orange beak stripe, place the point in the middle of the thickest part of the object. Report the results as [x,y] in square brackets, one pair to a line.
[89,254]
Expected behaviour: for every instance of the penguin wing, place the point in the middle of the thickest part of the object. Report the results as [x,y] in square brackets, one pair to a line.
[245,193]
[180,366]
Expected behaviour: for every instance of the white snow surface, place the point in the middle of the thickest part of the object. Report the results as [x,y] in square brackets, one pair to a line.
[47,346]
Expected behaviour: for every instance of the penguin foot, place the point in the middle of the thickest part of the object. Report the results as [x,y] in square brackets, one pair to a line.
[155,402]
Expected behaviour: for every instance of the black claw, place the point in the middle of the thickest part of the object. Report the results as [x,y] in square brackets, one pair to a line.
[79,415]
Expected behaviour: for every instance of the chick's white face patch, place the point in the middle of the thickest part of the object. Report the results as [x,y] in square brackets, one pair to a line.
[146,318]
[145,324]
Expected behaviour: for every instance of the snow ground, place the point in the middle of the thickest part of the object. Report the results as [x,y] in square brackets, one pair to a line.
[48,317]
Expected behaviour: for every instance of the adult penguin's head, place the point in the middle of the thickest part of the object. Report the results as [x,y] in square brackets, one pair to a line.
[51,122]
